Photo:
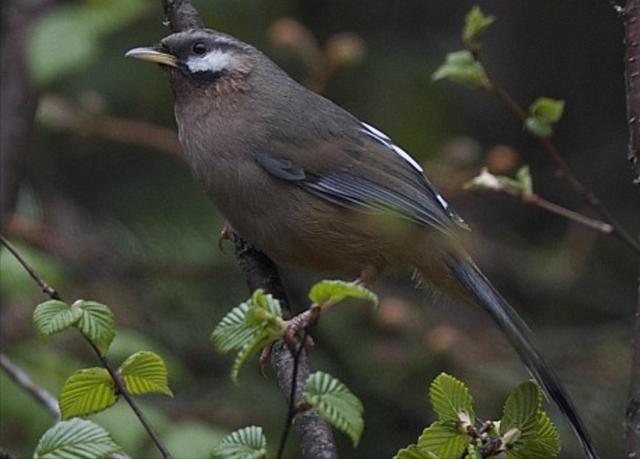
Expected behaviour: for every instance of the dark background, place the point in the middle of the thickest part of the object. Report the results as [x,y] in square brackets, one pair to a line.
[120,221]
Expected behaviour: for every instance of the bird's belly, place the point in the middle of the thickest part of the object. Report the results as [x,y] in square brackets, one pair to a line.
[294,228]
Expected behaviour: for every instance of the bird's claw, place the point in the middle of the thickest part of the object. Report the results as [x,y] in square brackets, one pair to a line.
[296,325]
[265,356]
[226,234]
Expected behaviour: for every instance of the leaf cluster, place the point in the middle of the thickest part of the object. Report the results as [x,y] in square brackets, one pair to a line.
[524,432]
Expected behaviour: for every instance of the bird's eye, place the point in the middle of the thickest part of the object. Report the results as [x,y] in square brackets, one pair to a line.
[199,48]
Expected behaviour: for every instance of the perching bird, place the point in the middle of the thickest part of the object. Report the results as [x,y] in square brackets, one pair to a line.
[312,186]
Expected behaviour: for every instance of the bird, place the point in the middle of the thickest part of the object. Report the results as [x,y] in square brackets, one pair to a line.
[313,187]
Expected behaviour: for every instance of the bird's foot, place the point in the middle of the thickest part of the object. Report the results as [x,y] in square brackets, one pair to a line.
[297,324]
[226,234]
[367,276]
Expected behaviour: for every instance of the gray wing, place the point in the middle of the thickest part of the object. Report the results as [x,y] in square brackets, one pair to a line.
[366,172]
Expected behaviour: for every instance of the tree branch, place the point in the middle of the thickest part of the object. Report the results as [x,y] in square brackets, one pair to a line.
[632,74]
[314,434]
[632,79]
[23,380]
[562,167]
[18,97]
[53,294]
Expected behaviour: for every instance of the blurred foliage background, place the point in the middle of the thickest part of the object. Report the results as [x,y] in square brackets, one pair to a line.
[106,210]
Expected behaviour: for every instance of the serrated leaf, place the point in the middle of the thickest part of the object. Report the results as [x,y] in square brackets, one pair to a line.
[460,67]
[444,440]
[267,302]
[145,372]
[522,410]
[261,340]
[545,444]
[475,23]
[413,452]
[246,443]
[232,333]
[87,391]
[55,316]
[450,399]
[335,291]
[335,402]
[248,328]
[547,109]
[97,324]
[76,439]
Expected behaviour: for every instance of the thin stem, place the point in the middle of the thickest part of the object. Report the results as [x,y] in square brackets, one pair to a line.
[535,200]
[22,379]
[132,403]
[53,294]
[291,413]
[569,214]
[562,167]
[46,288]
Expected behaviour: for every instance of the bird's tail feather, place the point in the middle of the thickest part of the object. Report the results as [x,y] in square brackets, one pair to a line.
[520,338]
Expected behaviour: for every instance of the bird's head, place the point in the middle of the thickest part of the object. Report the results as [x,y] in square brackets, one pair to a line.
[202,58]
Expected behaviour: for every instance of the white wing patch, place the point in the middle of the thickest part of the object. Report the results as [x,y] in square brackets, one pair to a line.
[386,141]
[213,61]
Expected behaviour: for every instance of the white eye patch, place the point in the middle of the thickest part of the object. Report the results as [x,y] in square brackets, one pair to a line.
[213,61]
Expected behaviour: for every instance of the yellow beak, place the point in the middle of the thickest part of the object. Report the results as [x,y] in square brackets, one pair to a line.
[151,55]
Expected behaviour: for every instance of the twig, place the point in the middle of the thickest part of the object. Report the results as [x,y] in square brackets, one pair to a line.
[535,200]
[562,168]
[46,288]
[53,294]
[291,412]
[60,113]
[22,379]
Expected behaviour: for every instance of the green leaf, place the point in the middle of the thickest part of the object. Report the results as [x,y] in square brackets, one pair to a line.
[451,400]
[335,402]
[248,328]
[261,340]
[544,112]
[521,410]
[97,324]
[523,177]
[75,439]
[335,291]
[54,316]
[460,67]
[413,452]
[246,443]
[145,372]
[547,109]
[538,128]
[87,391]
[233,333]
[446,441]
[544,444]
[266,302]
[475,23]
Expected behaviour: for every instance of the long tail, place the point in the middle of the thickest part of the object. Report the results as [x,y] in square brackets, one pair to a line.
[520,338]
